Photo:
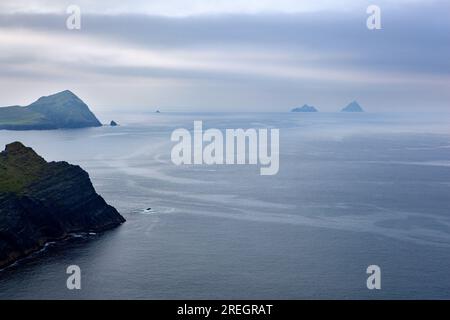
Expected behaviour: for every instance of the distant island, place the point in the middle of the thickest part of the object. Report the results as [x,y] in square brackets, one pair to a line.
[113,123]
[57,111]
[42,202]
[304,108]
[353,107]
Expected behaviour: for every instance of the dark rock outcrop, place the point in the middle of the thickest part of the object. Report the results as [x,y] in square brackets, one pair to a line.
[57,111]
[42,202]
[113,123]
[305,108]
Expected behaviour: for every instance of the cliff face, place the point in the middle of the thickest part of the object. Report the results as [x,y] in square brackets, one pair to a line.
[57,111]
[41,202]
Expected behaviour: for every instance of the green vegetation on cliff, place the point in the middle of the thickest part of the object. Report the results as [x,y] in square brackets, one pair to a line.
[45,201]
[19,167]
[57,111]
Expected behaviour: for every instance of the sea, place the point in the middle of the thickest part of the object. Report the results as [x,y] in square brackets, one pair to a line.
[353,190]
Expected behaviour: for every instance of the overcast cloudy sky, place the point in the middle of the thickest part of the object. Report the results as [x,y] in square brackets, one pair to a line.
[223,55]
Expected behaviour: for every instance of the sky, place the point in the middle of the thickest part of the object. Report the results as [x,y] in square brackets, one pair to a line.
[228,55]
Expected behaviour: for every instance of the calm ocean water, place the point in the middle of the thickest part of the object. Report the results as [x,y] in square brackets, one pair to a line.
[353,190]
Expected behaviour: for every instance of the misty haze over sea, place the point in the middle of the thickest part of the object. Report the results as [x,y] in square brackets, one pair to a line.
[352,190]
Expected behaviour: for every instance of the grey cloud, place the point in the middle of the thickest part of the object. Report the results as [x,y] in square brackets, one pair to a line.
[414,40]
[409,41]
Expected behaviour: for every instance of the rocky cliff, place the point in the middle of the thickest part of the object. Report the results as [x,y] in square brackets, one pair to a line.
[41,202]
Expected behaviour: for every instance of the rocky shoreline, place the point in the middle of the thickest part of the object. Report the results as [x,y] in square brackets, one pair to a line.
[44,201]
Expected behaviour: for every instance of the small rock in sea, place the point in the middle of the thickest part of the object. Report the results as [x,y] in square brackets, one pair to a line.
[113,124]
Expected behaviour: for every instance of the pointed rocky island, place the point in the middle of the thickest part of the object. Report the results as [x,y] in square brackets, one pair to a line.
[44,201]
[62,110]
[305,108]
[353,107]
